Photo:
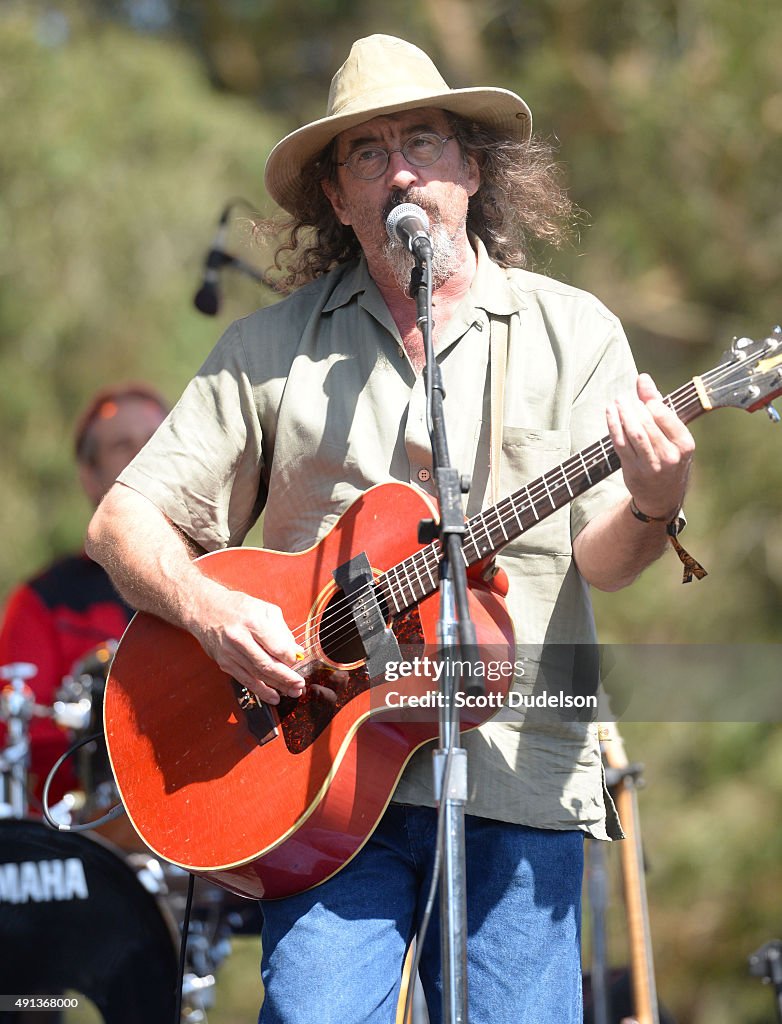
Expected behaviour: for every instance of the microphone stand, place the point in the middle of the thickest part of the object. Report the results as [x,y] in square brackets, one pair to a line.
[456,640]
[219,259]
[206,299]
[225,259]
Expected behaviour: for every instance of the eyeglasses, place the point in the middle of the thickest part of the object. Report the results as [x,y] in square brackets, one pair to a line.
[420,150]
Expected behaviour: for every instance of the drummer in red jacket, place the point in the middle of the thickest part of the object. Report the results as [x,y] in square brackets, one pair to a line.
[70,610]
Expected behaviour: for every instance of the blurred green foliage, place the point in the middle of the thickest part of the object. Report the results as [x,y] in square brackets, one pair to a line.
[117,157]
[127,126]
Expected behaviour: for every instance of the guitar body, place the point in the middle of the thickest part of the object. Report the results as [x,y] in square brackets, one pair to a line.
[269,802]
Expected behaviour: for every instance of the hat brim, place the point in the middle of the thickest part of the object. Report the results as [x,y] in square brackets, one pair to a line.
[496,108]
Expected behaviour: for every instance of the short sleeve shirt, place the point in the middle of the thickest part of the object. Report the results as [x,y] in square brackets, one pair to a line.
[304,405]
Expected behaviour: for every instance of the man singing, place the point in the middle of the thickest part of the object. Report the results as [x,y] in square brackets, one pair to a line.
[303,406]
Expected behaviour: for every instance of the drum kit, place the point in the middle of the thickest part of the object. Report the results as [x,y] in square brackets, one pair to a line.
[95,912]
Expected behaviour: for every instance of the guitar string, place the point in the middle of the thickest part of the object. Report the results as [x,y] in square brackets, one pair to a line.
[338,622]
[331,620]
[342,616]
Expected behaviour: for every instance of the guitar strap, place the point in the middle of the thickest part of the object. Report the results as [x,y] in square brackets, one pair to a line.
[498,368]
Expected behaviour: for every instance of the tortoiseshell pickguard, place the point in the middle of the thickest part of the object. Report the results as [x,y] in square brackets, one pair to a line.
[303,719]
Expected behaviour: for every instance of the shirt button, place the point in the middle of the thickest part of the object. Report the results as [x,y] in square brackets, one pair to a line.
[423,475]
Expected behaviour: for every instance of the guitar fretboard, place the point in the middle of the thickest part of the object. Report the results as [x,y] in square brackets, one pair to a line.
[408,582]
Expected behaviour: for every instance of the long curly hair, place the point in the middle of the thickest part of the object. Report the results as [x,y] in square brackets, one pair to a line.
[521,200]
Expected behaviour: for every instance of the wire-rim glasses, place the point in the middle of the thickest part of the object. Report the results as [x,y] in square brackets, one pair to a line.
[420,150]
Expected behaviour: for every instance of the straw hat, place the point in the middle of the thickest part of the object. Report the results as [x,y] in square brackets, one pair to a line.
[382,75]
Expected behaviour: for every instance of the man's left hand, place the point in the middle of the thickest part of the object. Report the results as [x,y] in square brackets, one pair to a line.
[654,447]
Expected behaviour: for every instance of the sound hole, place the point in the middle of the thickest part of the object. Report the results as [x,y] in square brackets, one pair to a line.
[303,719]
[338,634]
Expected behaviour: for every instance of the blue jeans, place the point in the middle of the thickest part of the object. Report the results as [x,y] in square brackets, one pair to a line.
[334,955]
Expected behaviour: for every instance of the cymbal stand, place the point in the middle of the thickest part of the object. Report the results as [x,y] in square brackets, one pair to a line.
[17,706]
[766,963]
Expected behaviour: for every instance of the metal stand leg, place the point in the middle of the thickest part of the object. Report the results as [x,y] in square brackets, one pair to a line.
[450,781]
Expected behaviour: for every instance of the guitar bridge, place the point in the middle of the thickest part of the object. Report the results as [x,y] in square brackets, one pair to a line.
[261,720]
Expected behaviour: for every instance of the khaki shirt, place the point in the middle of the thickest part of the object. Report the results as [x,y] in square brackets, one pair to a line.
[304,405]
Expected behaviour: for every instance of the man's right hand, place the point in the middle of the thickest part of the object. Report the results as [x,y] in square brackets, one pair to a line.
[249,639]
[152,566]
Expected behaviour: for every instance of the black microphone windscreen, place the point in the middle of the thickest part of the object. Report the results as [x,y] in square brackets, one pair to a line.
[206,300]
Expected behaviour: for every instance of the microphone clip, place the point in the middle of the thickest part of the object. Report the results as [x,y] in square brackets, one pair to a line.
[416,280]
[216,259]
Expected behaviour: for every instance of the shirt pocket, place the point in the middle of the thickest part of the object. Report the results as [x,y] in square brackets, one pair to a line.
[527,454]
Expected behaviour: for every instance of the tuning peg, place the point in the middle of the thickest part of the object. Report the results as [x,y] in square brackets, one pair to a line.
[773,415]
[777,330]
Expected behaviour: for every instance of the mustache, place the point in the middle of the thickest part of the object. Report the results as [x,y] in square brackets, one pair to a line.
[412,195]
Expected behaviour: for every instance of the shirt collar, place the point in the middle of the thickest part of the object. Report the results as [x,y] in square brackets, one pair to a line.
[354,280]
[490,288]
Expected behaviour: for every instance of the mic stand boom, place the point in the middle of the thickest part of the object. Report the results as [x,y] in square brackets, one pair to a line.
[457,643]
[219,259]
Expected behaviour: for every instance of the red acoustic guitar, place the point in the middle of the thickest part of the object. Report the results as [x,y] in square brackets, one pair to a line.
[271,801]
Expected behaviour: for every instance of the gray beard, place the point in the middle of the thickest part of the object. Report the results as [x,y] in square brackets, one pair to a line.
[446,261]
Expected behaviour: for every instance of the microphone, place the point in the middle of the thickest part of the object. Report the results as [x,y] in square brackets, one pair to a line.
[207,298]
[410,224]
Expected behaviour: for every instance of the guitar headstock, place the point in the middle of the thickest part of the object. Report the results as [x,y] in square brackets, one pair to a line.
[749,376]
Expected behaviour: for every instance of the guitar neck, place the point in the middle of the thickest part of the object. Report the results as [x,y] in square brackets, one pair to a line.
[405,584]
